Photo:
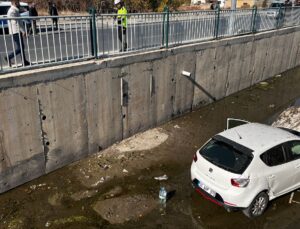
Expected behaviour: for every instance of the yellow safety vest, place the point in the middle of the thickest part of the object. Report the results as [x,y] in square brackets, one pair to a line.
[122,17]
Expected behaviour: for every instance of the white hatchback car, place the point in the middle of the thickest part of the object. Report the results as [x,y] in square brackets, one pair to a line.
[246,166]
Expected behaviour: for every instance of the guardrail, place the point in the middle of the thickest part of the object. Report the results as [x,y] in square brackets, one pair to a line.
[55,40]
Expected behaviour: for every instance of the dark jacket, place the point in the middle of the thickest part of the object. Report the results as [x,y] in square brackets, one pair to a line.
[33,12]
[53,11]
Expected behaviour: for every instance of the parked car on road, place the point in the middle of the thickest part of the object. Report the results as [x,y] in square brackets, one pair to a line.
[4,7]
[244,167]
[273,11]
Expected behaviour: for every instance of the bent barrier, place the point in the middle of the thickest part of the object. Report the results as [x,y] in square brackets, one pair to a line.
[52,117]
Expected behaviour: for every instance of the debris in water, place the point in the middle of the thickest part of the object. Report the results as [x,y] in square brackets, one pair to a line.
[164,177]
[264,84]
[105,166]
[278,76]
[271,105]
[41,185]
[125,171]
[98,182]
[177,127]
[33,187]
[47,224]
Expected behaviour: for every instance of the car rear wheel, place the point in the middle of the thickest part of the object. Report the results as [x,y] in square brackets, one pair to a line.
[258,205]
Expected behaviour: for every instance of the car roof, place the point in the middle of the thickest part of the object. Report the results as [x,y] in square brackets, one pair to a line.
[258,136]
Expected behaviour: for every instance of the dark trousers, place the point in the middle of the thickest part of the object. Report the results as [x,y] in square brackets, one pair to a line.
[32,29]
[55,20]
[122,37]
[19,47]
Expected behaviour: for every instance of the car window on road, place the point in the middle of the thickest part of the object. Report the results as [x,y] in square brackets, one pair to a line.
[225,156]
[3,10]
[274,156]
[273,5]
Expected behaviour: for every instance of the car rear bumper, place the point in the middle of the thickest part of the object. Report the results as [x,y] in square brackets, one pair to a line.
[216,200]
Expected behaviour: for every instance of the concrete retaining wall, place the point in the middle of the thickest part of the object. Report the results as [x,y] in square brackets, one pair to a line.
[52,117]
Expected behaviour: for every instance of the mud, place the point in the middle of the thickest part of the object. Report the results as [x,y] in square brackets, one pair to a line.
[116,188]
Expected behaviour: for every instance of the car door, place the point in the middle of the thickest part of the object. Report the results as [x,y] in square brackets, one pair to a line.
[279,173]
[293,150]
[232,122]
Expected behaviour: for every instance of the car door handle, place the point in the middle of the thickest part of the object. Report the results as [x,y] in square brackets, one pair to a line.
[271,176]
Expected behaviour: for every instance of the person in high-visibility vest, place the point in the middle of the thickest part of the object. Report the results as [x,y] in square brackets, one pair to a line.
[122,23]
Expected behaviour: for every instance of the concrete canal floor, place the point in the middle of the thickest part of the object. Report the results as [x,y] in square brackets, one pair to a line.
[116,188]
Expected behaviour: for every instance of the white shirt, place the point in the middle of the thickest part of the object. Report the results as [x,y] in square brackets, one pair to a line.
[14,26]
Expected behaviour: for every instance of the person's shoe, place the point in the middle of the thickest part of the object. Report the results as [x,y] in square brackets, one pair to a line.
[8,61]
[26,63]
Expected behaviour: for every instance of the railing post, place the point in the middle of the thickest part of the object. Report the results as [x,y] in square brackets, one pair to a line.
[253,22]
[279,18]
[163,28]
[166,24]
[93,32]
[217,21]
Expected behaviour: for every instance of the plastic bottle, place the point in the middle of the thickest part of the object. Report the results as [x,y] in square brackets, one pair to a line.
[163,195]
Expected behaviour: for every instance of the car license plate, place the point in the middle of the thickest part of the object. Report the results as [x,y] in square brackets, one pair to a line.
[207,189]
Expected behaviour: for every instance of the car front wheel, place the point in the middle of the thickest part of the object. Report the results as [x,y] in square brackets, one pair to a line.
[258,205]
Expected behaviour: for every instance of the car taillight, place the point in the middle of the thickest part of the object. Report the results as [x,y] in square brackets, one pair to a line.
[240,182]
[195,158]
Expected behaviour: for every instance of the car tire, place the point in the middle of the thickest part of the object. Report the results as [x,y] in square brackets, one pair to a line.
[258,206]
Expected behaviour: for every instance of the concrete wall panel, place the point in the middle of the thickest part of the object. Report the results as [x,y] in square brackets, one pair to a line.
[21,149]
[235,70]
[184,86]
[104,113]
[164,89]
[294,50]
[63,106]
[204,77]
[136,90]
[270,58]
[281,47]
[221,70]
[297,47]
[287,51]
[247,65]
[261,47]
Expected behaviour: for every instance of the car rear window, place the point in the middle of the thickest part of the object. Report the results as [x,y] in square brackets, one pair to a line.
[226,156]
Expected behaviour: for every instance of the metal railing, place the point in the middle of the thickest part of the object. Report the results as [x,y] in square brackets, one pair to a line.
[97,36]
[42,42]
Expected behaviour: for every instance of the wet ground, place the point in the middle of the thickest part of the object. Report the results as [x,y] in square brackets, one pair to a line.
[116,188]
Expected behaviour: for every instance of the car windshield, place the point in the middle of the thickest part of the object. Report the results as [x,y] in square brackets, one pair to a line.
[225,156]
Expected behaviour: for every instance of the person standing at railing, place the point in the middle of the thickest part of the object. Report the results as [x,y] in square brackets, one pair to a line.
[17,31]
[122,24]
[54,12]
[33,13]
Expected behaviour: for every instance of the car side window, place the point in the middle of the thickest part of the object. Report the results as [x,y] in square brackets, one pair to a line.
[274,156]
[293,148]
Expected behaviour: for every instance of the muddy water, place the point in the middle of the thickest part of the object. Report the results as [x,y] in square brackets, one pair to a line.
[48,203]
